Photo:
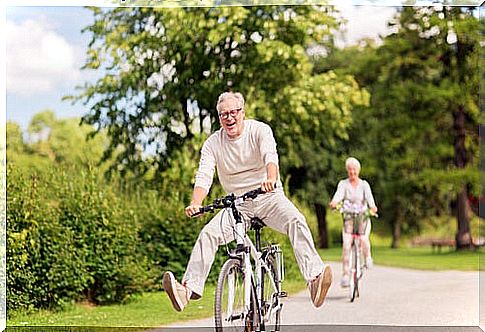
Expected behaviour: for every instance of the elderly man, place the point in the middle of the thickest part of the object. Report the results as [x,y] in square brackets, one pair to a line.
[244,154]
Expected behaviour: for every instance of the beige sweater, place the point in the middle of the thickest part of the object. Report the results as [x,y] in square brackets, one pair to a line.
[241,162]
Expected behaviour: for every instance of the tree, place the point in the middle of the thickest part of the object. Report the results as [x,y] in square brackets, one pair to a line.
[163,79]
[422,80]
[15,140]
[64,140]
[461,60]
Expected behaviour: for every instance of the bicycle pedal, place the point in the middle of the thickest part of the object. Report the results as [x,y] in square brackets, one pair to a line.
[282,294]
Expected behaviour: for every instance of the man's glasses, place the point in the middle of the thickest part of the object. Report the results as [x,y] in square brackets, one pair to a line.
[232,113]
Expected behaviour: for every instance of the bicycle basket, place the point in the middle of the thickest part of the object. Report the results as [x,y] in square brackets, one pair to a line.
[355,223]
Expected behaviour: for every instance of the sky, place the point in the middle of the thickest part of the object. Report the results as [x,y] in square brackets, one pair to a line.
[45,51]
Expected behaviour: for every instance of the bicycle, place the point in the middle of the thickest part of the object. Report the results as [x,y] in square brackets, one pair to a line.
[359,217]
[248,299]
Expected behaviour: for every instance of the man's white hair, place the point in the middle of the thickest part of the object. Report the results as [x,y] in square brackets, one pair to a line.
[351,161]
[225,95]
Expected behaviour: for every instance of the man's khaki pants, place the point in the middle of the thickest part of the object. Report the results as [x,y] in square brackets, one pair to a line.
[278,213]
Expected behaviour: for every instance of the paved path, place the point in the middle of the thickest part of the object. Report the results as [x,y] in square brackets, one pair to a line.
[390,297]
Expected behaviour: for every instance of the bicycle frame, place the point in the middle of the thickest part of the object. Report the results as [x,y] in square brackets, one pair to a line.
[246,248]
[355,264]
[247,251]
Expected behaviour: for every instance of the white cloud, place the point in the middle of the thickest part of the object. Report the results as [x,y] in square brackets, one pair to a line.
[364,22]
[39,60]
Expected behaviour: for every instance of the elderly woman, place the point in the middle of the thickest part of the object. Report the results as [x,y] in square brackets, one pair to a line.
[357,191]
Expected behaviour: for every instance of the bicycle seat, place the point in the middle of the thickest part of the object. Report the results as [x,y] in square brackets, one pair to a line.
[256,223]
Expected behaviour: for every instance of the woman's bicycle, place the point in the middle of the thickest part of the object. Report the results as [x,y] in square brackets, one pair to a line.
[355,218]
[248,298]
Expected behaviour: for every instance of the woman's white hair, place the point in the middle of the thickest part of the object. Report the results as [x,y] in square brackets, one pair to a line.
[225,95]
[352,162]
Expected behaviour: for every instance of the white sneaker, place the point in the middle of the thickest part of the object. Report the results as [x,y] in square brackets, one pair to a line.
[369,263]
[344,282]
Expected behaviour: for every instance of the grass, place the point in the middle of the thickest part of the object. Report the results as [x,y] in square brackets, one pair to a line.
[423,258]
[148,310]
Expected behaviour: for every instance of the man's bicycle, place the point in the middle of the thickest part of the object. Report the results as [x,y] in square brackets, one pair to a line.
[248,297]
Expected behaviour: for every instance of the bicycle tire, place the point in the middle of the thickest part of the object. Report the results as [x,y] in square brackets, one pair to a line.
[354,278]
[231,275]
[269,318]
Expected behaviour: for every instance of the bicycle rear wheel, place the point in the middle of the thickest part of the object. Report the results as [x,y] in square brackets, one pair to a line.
[354,271]
[230,312]
[270,305]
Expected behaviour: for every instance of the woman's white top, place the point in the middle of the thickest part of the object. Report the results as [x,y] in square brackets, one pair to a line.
[361,193]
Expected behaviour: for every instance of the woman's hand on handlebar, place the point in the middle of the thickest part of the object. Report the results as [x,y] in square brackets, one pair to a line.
[373,211]
[192,209]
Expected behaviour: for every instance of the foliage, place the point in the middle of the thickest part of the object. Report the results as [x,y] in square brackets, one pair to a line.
[55,138]
[317,118]
[160,95]
[68,239]
[418,78]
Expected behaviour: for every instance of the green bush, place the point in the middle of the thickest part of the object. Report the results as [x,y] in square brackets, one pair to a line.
[69,238]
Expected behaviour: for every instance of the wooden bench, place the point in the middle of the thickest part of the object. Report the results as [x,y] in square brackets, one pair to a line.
[438,243]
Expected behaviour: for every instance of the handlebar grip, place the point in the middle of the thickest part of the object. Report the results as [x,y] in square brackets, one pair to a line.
[208,208]
[197,214]
[253,193]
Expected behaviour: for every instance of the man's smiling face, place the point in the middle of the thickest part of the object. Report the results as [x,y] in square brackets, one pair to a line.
[231,117]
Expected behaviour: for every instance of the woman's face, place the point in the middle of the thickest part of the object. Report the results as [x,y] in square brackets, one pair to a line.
[353,172]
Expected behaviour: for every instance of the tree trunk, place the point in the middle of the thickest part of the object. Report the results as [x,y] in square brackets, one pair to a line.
[463,236]
[321,212]
[396,233]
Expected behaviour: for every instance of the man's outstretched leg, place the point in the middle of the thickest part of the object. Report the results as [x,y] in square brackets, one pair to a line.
[215,233]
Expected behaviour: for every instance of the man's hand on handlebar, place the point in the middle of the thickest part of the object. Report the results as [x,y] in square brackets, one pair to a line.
[268,185]
[192,209]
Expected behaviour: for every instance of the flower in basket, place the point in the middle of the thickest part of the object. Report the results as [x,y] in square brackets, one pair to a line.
[349,207]
[352,210]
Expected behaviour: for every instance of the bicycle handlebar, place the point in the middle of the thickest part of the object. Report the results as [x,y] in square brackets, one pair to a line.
[228,201]
[367,212]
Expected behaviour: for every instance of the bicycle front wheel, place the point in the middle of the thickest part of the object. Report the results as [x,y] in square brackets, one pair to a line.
[354,277]
[231,313]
